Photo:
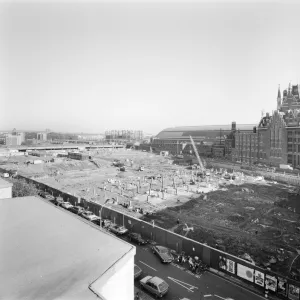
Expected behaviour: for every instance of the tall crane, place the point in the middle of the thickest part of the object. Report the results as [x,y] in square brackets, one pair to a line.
[202,168]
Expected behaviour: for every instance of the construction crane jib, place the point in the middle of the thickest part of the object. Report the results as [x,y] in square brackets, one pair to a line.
[197,155]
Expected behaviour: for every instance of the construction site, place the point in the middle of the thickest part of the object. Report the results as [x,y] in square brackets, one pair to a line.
[241,214]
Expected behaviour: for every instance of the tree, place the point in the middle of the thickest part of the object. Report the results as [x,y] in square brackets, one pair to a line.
[21,188]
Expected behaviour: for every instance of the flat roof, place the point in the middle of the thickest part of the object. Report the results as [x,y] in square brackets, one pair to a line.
[4,183]
[48,253]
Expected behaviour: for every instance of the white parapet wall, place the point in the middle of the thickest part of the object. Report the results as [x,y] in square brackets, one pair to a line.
[5,189]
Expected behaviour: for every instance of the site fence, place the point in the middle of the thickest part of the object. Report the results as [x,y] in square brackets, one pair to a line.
[262,279]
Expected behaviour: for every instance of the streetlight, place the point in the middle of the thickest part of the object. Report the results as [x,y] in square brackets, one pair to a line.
[100,213]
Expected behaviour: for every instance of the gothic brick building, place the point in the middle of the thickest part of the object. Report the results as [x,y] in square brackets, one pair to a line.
[276,138]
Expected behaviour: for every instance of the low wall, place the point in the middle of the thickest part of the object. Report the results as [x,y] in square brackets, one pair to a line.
[262,279]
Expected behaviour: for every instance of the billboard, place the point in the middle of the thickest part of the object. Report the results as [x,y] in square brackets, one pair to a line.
[282,286]
[271,283]
[245,272]
[226,264]
[259,278]
[294,292]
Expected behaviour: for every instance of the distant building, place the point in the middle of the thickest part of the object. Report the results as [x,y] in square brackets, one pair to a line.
[13,140]
[275,139]
[210,140]
[42,136]
[124,135]
[48,253]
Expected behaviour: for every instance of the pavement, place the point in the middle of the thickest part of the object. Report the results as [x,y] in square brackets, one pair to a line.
[185,284]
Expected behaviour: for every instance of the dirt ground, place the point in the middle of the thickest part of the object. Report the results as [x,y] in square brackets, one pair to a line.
[247,217]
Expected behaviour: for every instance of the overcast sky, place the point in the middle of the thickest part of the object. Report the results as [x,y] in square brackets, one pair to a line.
[91,67]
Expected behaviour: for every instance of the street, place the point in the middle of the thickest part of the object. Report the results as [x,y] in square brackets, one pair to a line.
[185,284]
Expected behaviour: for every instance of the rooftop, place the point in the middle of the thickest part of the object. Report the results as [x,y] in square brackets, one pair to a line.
[4,183]
[200,132]
[48,253]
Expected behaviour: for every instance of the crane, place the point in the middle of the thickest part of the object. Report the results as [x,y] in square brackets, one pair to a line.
[202,168]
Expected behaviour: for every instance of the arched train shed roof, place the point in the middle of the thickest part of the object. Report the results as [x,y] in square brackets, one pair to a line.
[205,131]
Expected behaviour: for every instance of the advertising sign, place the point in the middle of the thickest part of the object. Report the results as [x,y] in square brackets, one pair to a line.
[226,264]
[259,278]
[294,292]
[282,286]
[245,272]
[271,283]
[230,266]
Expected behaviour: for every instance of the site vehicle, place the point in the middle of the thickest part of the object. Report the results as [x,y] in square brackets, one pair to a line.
[77,209]
[154,285]
[141,168]
[163,253]
[88,215]
[117,229]
[122,169]
[137,238]
[5,175]
[137,271]
[66,205]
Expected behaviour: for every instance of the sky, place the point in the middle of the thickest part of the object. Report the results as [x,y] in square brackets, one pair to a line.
[78,66]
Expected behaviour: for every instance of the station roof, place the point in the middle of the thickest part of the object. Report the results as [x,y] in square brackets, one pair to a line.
[48,253]
[5,184]
[200,131]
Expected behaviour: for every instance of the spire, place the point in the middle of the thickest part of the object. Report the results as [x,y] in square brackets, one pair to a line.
[279,93]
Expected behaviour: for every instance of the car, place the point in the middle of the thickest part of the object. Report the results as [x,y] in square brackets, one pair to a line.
[88,215]
[154,285]
[137,238]
[117,229]
[137,271]
[46,196]
[66,205]
[77,209]
[163,253]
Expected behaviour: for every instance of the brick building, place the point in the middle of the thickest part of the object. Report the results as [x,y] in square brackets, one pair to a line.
[276,138]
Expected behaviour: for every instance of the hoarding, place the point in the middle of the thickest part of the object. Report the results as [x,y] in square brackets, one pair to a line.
[226,264]
[282,286]
[294,292]
[230,266]
[271,283]
[259,278]
[245,272]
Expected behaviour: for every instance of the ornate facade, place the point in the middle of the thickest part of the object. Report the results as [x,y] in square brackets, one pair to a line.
[276,139]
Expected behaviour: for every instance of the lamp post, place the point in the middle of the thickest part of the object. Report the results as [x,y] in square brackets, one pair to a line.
[100,213]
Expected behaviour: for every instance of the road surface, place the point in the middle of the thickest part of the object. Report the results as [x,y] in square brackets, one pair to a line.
[185,284]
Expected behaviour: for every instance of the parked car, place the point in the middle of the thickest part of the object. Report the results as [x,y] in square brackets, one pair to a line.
[77,209]
[88,215]
[163,253]
[66,205]
[137,238]
[117,229]
[154,285]
[47,196]
[137,271]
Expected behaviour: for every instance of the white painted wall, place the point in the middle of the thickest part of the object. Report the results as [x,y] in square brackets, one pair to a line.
[6,192]
[120,285]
